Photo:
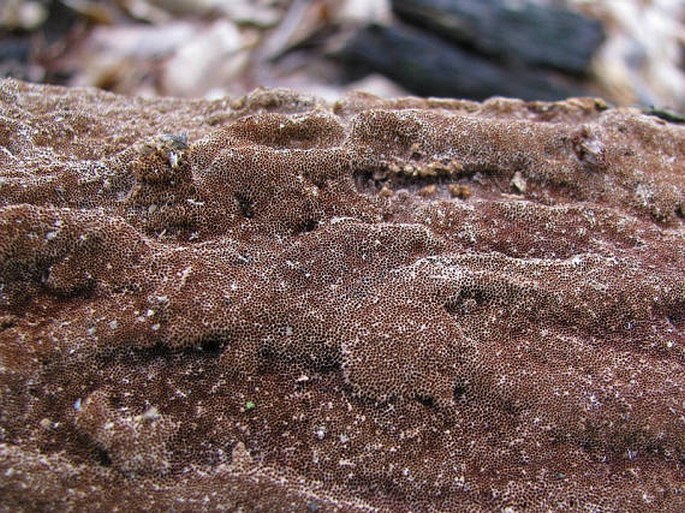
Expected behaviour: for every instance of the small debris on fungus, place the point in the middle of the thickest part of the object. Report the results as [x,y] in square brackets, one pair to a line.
[428,191]
[460,191]
[519,182]
[385,192]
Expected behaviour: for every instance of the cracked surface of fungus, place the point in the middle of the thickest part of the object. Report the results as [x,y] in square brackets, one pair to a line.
[280,304]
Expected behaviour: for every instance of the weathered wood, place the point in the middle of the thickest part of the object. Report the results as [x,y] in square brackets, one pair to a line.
[514,31]
[429,66]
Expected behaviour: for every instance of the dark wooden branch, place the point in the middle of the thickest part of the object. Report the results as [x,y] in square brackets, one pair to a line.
[533,34]
[429,66]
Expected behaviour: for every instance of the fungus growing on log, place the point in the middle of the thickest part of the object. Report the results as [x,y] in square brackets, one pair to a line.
[279,304]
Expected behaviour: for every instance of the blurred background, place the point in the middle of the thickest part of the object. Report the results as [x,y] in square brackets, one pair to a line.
[631,52]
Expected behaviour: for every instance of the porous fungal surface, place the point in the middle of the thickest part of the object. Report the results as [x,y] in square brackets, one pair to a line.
[280,304]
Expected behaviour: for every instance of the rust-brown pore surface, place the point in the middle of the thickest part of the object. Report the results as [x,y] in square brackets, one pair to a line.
[408,305]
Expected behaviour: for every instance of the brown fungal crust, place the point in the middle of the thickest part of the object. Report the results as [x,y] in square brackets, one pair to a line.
[406,305]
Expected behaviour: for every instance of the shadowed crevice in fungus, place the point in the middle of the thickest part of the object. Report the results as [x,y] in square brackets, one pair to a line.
[245,205]
[274,303]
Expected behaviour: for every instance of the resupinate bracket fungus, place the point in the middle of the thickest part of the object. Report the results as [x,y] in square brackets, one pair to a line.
[372,305]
